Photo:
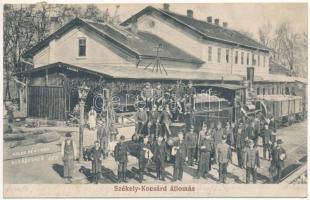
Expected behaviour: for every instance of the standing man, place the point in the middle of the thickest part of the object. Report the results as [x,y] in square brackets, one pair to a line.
[223,153]
[205,147]
[92,117]
[158,95]
[68,154]
[97,154]
[278,157]
[147,95]
[103,137]
[191,144]
[217,135]
[180,157]
[121,158]
[251,162]
[240,145]
[166,117]
[159,152]
[144,156]
[267,142]
[251,132]
[229,134]
[140,120]
[153,122]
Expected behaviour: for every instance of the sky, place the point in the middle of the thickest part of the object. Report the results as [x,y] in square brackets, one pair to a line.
[240,16]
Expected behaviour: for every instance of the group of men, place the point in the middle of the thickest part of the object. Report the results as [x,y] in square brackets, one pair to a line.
[212,145]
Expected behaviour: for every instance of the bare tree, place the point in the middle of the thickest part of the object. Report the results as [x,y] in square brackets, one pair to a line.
[265,34]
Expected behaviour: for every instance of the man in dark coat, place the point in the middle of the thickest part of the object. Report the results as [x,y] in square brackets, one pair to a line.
[153,122]
[217,135]
[191,140]
[165,118]
[69,154]
[144,156]
[278,158]
[140,120]
[205,147]
[266,135]
[179,150]
[251,161]
[97,154]
[251,132]
[223,153]
[159,151]
[240,144]
[121,158]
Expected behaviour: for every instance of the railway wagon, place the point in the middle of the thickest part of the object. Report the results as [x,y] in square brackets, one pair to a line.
[284,108]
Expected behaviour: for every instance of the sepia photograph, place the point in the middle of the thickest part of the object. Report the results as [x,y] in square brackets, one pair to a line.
[155,100]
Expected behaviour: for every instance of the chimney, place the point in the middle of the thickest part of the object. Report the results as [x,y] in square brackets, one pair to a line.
[190,13]
[209,19]
[166,6]
[216,21]
[225,24]
[53,26]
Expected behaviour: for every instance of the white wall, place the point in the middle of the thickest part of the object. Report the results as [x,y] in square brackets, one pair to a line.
[199,48]
[65,49]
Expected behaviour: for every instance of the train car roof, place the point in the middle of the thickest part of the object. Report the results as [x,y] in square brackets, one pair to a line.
[225,86]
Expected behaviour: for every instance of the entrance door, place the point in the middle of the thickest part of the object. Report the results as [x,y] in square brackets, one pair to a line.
[46,102]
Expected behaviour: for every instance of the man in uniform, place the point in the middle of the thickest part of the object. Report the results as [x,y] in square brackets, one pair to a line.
[121,158]
[97,154]
[267,141]
[153,122]
[166,120]
[159,151]
[223,153]
[240,144]
[68,154]
[158,95]
[251,162]
[217,135]
[278,157]
[180,157]
[144,156]
[140,120]
[191,144]
[147,95]
[205,148]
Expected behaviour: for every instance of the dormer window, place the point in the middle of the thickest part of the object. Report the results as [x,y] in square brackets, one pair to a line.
[82,47]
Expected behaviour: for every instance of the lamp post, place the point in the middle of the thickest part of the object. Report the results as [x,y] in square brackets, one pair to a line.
[83,92]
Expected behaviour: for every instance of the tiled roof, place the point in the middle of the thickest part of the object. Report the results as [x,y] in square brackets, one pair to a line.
[137,44]
[209,30]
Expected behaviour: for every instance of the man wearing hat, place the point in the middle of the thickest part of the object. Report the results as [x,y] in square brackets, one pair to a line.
[140,120]
[97,155]
[121,158]
[251,161]
[68,154]
[217,135]
[153,122]
[191,140]
[266,135]
[278,157]
[180,157]
[147,95]
[240,145]
[144,156]
[205,148]
[159,152]
[223,153]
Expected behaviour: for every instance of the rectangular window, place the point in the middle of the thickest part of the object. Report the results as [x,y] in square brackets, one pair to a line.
[258,60]
[242,58]
[253,60]
[82,47]
[219,54]
[248,58]
[209,54]
[227,55]
[236,57]
[264,91]
[264,61]
[258,91]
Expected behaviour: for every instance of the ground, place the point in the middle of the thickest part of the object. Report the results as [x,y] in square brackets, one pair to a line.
[41,163]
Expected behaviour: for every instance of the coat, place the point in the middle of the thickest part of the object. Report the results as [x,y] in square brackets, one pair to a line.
[266,136]
[191,140]
[251,133]
[121,152]
[251,158]
[230,137]
[154,117]
[276,153]
[141,116]
[180,152]
[159,151]
[68,152]
[240,140]
[223,153]
[217,136]
[97,157]
[205,154]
